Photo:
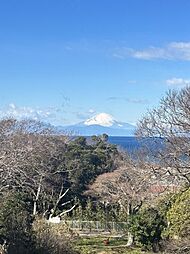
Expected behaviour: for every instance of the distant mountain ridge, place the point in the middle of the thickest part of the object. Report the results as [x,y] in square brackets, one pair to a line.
[99,124]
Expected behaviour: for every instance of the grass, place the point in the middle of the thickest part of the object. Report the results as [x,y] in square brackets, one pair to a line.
[95,245]
[99,241]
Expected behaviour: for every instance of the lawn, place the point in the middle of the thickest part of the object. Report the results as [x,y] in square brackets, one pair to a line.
[95,245]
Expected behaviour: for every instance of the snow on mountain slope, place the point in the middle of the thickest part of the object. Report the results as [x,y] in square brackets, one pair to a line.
[99,124]
[101,119]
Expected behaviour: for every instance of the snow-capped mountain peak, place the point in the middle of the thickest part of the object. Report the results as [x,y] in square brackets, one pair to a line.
[99,124]
[101,119]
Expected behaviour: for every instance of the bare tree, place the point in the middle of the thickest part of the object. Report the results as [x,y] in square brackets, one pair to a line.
[170,124]
[30,154]
[129,186]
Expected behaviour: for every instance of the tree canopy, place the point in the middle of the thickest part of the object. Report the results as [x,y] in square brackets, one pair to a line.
[170,121]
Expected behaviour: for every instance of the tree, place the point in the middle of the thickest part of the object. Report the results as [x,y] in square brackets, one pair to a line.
[128,185]
[16,223]
[30,154]
[147,227]
[170,123]
[178,216]
[89,211]
[36,160]
[85,159]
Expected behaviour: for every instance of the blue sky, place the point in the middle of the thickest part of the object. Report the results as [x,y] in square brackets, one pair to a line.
[64,61]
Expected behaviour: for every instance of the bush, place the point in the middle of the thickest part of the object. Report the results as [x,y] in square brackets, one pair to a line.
[147,227]
[16,224]
[178,216]
[175,247]
[51,239]
[22,235]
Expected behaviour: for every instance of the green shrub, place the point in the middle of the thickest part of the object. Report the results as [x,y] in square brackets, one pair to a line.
[178,216]
[16,223]
[147,227]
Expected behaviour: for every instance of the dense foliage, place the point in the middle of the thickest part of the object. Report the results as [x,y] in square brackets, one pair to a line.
[147,226]
[178,215]
[85,159]
[16,224]
[41,174]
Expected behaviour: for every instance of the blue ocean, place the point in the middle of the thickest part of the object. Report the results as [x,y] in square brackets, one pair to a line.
[125,143]
[130,144]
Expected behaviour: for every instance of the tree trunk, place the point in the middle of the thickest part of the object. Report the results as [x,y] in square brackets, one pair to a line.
[130,239]
[130,235]
[35,207]
[37,196]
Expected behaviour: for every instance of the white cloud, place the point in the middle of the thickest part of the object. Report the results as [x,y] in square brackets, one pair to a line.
[151,53]
[92,111]
[82,115]
[12,105]
[172,51]
[19,113]
[102,119]
[131,81]
[177,82]
[129,100]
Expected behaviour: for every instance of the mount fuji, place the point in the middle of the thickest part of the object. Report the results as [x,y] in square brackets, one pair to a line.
[99,124]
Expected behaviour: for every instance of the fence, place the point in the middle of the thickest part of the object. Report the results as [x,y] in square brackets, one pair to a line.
[97,226]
